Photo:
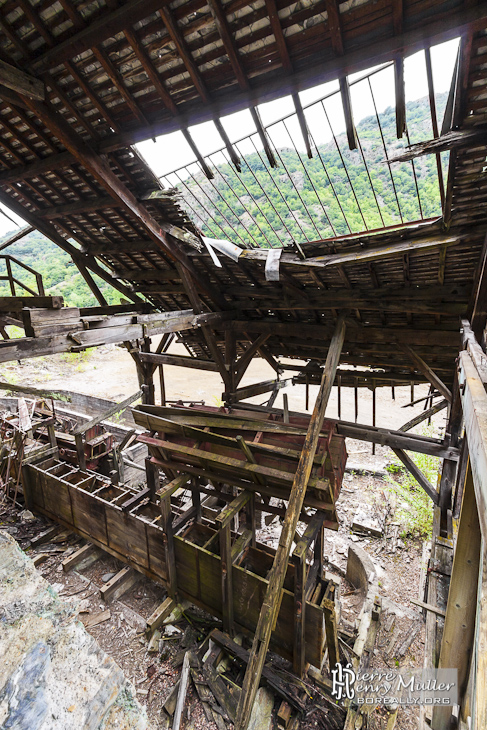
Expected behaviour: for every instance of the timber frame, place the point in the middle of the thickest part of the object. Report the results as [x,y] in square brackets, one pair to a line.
[403,305]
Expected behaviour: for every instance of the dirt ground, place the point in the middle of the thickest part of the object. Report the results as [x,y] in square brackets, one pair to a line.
[109,372]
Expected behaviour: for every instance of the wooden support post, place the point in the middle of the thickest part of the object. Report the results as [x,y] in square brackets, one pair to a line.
[80,450]
[429,374]
[227,579]
[223,523]
[458,633]
[162,385]
[331,633]
[299,663]
[272,600]
[417,474]
[168,540]
[196,497]
[152,475]
[449,470]
[51,431]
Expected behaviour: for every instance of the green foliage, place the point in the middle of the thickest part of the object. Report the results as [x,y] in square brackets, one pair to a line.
[77,359]
[59,273]
[414,507]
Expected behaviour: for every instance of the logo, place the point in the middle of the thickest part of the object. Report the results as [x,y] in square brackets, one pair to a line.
[394,686]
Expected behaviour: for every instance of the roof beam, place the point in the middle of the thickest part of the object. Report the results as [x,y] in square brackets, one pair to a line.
[122,196]
[16,236]
[263,136]
[400,96]
[347,111]
[265,89]
[106,26]
[207,171]
[184,52]
[230,148]
[278,35]
[355,334]
[224,31]
[152,74]
[428,372]
[46,164]
[79,206]
[21,82]
[362,254]
[303,124]
[397,21]
[336,38]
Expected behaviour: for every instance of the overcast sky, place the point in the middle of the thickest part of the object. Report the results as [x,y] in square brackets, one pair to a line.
[171,151]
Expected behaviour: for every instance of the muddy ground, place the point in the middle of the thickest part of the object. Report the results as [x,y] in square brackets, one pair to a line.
[109,372]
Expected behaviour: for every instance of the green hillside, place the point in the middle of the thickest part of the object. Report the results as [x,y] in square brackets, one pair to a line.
[238,205]
[243,195]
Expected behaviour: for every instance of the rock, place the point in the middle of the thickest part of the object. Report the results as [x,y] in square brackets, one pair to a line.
[107,576]
[365,522]
[261,717]
[171,630]
[354,538]
[401,544]
[27,516]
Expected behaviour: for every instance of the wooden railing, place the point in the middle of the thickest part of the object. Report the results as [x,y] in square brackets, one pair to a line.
[14,282]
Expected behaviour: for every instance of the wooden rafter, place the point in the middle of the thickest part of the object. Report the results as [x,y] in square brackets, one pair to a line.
[184,52]
[21,82]
[150,70]
[272,599]
[428,372]
[103,174]
[279,35]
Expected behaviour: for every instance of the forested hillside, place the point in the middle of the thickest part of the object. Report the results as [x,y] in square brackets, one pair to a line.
[322,193]
[247,209]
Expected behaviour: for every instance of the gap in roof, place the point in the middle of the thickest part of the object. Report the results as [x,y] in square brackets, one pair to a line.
[171,152]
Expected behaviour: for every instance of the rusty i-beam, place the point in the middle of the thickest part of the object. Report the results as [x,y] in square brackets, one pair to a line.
[272,600]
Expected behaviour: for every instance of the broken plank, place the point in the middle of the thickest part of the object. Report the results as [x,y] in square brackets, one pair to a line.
[428,607]
[91,621]
[183,688]
[280,687]
[158,616]
[82,558]
[119,584]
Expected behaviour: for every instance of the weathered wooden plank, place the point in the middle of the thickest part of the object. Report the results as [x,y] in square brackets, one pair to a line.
[424,415]
[428,372]
[458,633]
[179,361]
[117,408]
[119,584]
[359,255]
[16,304]
[82,558]
[418,475]
[272,601]
[22,83]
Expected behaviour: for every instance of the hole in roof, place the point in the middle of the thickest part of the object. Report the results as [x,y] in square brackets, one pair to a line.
[335,193]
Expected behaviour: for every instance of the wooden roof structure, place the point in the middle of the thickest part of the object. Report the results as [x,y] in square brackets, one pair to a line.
[81,82]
